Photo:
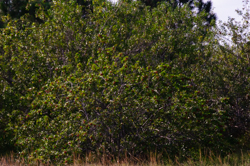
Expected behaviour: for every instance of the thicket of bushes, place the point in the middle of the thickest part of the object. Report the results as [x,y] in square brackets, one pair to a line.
[124,79]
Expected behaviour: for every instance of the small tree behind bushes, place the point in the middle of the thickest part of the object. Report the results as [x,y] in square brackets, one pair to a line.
[124,80]
[234,66]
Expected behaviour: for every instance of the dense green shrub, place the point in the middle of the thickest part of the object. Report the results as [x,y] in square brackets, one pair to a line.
[27,62]
[126,79]
[233,73]
[114,105]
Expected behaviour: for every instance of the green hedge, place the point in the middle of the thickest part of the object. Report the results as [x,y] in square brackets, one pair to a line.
[125,79]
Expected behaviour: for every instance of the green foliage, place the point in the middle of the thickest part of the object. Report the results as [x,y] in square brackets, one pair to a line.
[232,75]
[26,61]
[113,106]
[15,9]
[196,6]
[125,79]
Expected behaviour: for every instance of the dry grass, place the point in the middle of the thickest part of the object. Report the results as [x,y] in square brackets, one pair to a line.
[237,159]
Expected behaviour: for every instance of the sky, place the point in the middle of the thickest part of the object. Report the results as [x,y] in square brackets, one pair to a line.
[225,8]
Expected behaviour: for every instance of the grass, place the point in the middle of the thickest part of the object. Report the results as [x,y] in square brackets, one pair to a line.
[237,159]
